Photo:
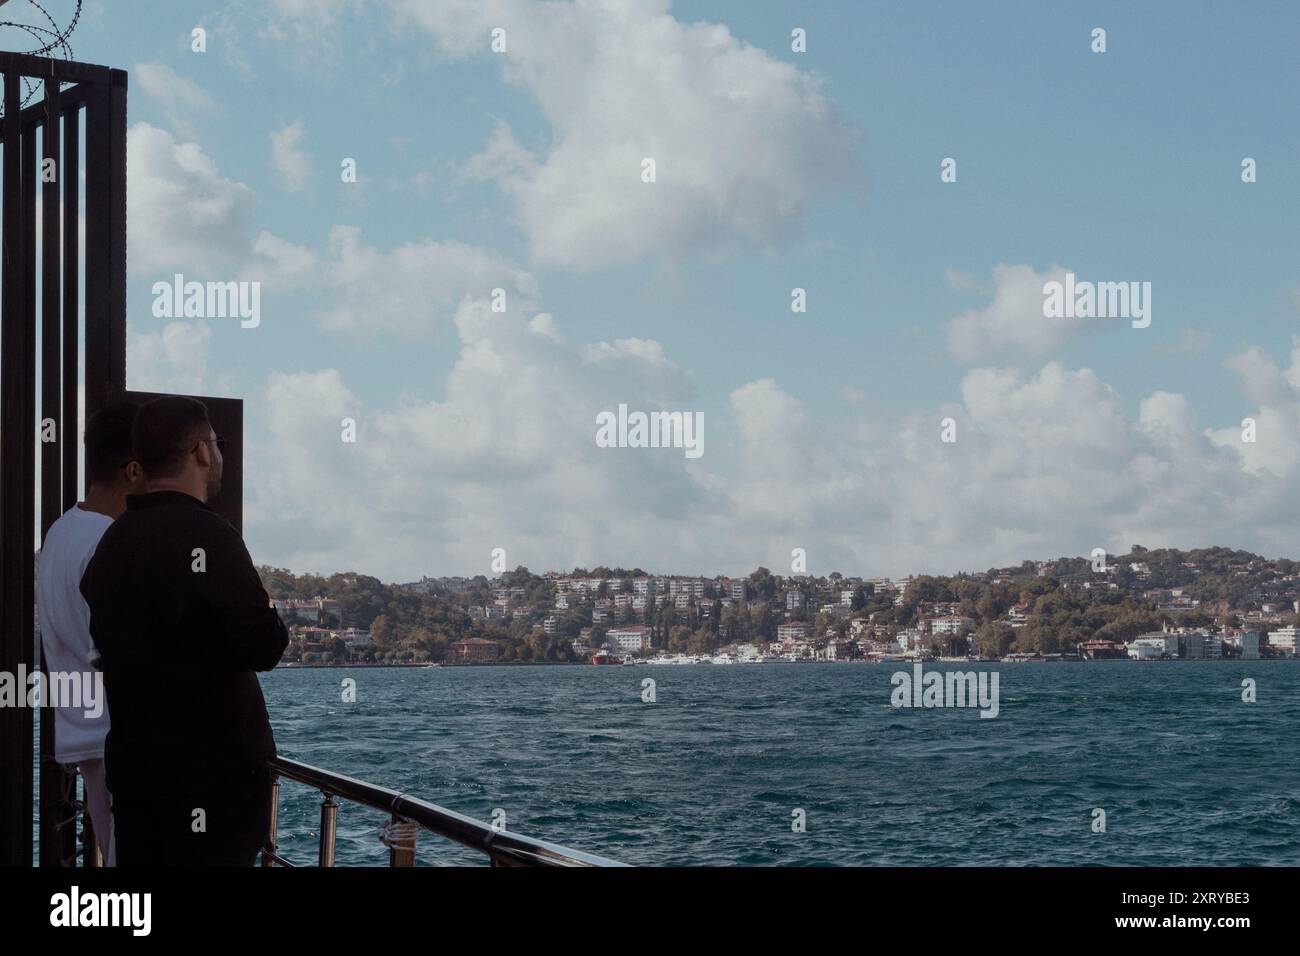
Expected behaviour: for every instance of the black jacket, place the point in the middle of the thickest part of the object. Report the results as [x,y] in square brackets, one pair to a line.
[180,646]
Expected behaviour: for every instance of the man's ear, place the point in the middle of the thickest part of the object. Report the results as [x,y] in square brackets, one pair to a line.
[134,473]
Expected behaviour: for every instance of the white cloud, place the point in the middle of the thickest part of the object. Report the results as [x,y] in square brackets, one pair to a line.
[410,288]
[1044,464]
[506,458]
[184,102]
[183,213]
[742,141]
[186,217]
[1013,320]
[288,157]
[1275,450]
[171,359]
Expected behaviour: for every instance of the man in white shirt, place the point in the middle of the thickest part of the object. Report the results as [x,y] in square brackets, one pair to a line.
[66,646]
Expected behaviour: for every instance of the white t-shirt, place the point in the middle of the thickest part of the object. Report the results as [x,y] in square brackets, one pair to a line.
[65,626]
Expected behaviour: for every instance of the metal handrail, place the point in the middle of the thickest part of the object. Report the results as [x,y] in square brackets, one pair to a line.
[501,847]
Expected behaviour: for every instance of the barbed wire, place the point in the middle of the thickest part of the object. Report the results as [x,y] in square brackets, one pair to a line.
[51,40]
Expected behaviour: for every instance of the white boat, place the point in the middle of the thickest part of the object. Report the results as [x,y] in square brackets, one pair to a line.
[724,659]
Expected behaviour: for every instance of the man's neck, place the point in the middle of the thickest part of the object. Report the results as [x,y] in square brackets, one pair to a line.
[104,501]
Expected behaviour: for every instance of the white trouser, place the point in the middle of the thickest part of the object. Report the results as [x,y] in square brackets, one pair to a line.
[99,804]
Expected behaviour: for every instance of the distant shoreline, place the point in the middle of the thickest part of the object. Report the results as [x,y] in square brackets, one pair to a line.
[1040,660]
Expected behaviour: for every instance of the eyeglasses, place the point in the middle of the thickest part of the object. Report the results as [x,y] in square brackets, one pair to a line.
[221,444]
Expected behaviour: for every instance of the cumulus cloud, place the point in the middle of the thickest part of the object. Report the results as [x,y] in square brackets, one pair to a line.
[411,287]
[184,102]
[1014,320]
[742,141]
[1044,464]
[506,457]
[1275,446]
[171,359]
[186,217]
[183,212]
[288,156]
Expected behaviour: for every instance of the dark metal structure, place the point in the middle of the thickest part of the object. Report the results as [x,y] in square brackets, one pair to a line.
[43,147]
[502,848]
[51,131]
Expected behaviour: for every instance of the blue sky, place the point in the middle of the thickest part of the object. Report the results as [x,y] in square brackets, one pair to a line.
[777,169]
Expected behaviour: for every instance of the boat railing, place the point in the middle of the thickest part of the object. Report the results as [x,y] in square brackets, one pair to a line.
[407,815]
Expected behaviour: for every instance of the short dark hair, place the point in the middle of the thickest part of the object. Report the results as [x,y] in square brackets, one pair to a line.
[165,431]
[108,441]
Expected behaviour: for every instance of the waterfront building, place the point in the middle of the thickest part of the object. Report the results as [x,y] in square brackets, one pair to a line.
[793,632]
[1150,648]
[475,650]
[1100,650]
[950,624]
[628,640]
[1284,640]
[1167,639]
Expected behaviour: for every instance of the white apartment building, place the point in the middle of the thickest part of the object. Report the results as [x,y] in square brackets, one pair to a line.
[949,624]
[629,640]
[1284,639]
[1145,648]
[796,631]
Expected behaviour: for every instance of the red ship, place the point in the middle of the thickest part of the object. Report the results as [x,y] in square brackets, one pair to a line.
[604,657]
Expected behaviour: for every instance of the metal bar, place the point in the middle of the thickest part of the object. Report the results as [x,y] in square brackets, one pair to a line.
[329,816]
[509,849]
[65,71]
[15,642]
[51,366]
[268,851]
[30,157]
[117,232]
[90,854]
[69,433]
[97,250]
[67,100]
[402,855]
[56,782]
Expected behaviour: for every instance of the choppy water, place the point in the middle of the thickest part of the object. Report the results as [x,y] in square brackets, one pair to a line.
[710,773]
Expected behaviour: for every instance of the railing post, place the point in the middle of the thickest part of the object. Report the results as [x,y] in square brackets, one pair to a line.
[329,813]
[273,829]
[403,855]
[90,855]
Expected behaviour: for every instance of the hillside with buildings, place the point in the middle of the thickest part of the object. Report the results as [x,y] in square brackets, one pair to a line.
[1206,603]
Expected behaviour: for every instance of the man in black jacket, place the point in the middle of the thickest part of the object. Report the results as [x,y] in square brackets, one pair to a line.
[182,622]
